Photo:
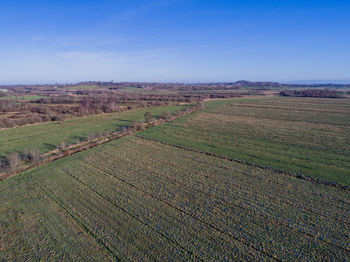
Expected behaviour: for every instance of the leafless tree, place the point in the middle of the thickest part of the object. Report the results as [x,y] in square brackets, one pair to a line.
[32,155]
[13,160]
[148,117]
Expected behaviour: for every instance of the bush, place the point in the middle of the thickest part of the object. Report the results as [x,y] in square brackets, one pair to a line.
[13,160]
[32,155]
[165,116]
[4,166]
[148,117]
[8,123]
[62,146]
[57,118]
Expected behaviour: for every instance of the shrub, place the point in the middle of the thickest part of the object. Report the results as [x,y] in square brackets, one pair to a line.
[148,117]
[13,160]
[32,155]
[165,116]
[62,146]
[4,166]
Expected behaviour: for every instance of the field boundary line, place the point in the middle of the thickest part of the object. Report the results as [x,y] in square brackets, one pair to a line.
[85,228]
[276,170]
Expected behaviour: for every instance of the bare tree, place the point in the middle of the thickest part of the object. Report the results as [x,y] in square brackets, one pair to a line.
[32,155]
[13,160]
[166,115]
[3,165]
[62,146]
[148,117]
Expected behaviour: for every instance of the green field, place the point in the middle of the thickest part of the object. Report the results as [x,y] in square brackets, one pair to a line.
[304,135]
[130,88]
[21,98]
[83,87]
[47,136]
[145,91]
[138,200]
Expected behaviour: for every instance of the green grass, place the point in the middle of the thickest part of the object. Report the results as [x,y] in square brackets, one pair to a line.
[21,98]
[130,88]
[137,200]
[83,87]
[47,136]
[305,135]
[136,90]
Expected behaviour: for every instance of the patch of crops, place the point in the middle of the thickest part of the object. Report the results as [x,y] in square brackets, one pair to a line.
[21,98]
[135,199]
[34,227]
[310,136]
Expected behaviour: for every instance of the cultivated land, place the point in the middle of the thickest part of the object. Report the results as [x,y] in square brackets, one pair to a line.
[310,136]
[135,199]
[82,87]
[160,196]
[46,136]
[21,98]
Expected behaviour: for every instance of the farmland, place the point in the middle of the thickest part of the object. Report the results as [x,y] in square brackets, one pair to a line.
[21,98]
[134,199]
[204,187]
[46,136]
[310,136]
[132,88]
[83,87]
[174,131]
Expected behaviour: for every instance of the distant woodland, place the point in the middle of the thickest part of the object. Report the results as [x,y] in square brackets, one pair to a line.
[29,104]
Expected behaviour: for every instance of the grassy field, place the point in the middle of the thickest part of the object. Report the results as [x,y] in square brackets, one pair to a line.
[47,136]
[130,88]
[83,87]
[305,135]
[23,98]
[138,200]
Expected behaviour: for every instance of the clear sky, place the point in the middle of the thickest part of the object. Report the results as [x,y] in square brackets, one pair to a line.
[173,40]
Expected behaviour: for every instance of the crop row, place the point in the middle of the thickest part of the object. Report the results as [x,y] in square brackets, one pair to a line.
[33,227]
[142,200]
[248,225]
[279,138]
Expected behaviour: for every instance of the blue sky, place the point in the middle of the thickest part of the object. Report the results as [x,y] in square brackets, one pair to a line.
[175,40]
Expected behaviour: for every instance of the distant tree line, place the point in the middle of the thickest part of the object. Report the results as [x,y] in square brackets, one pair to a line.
[62,105]
[323,93]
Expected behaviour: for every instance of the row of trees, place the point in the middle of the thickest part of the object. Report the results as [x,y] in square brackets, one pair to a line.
[58,104]
[14,160]
[18,114]
[322,93]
